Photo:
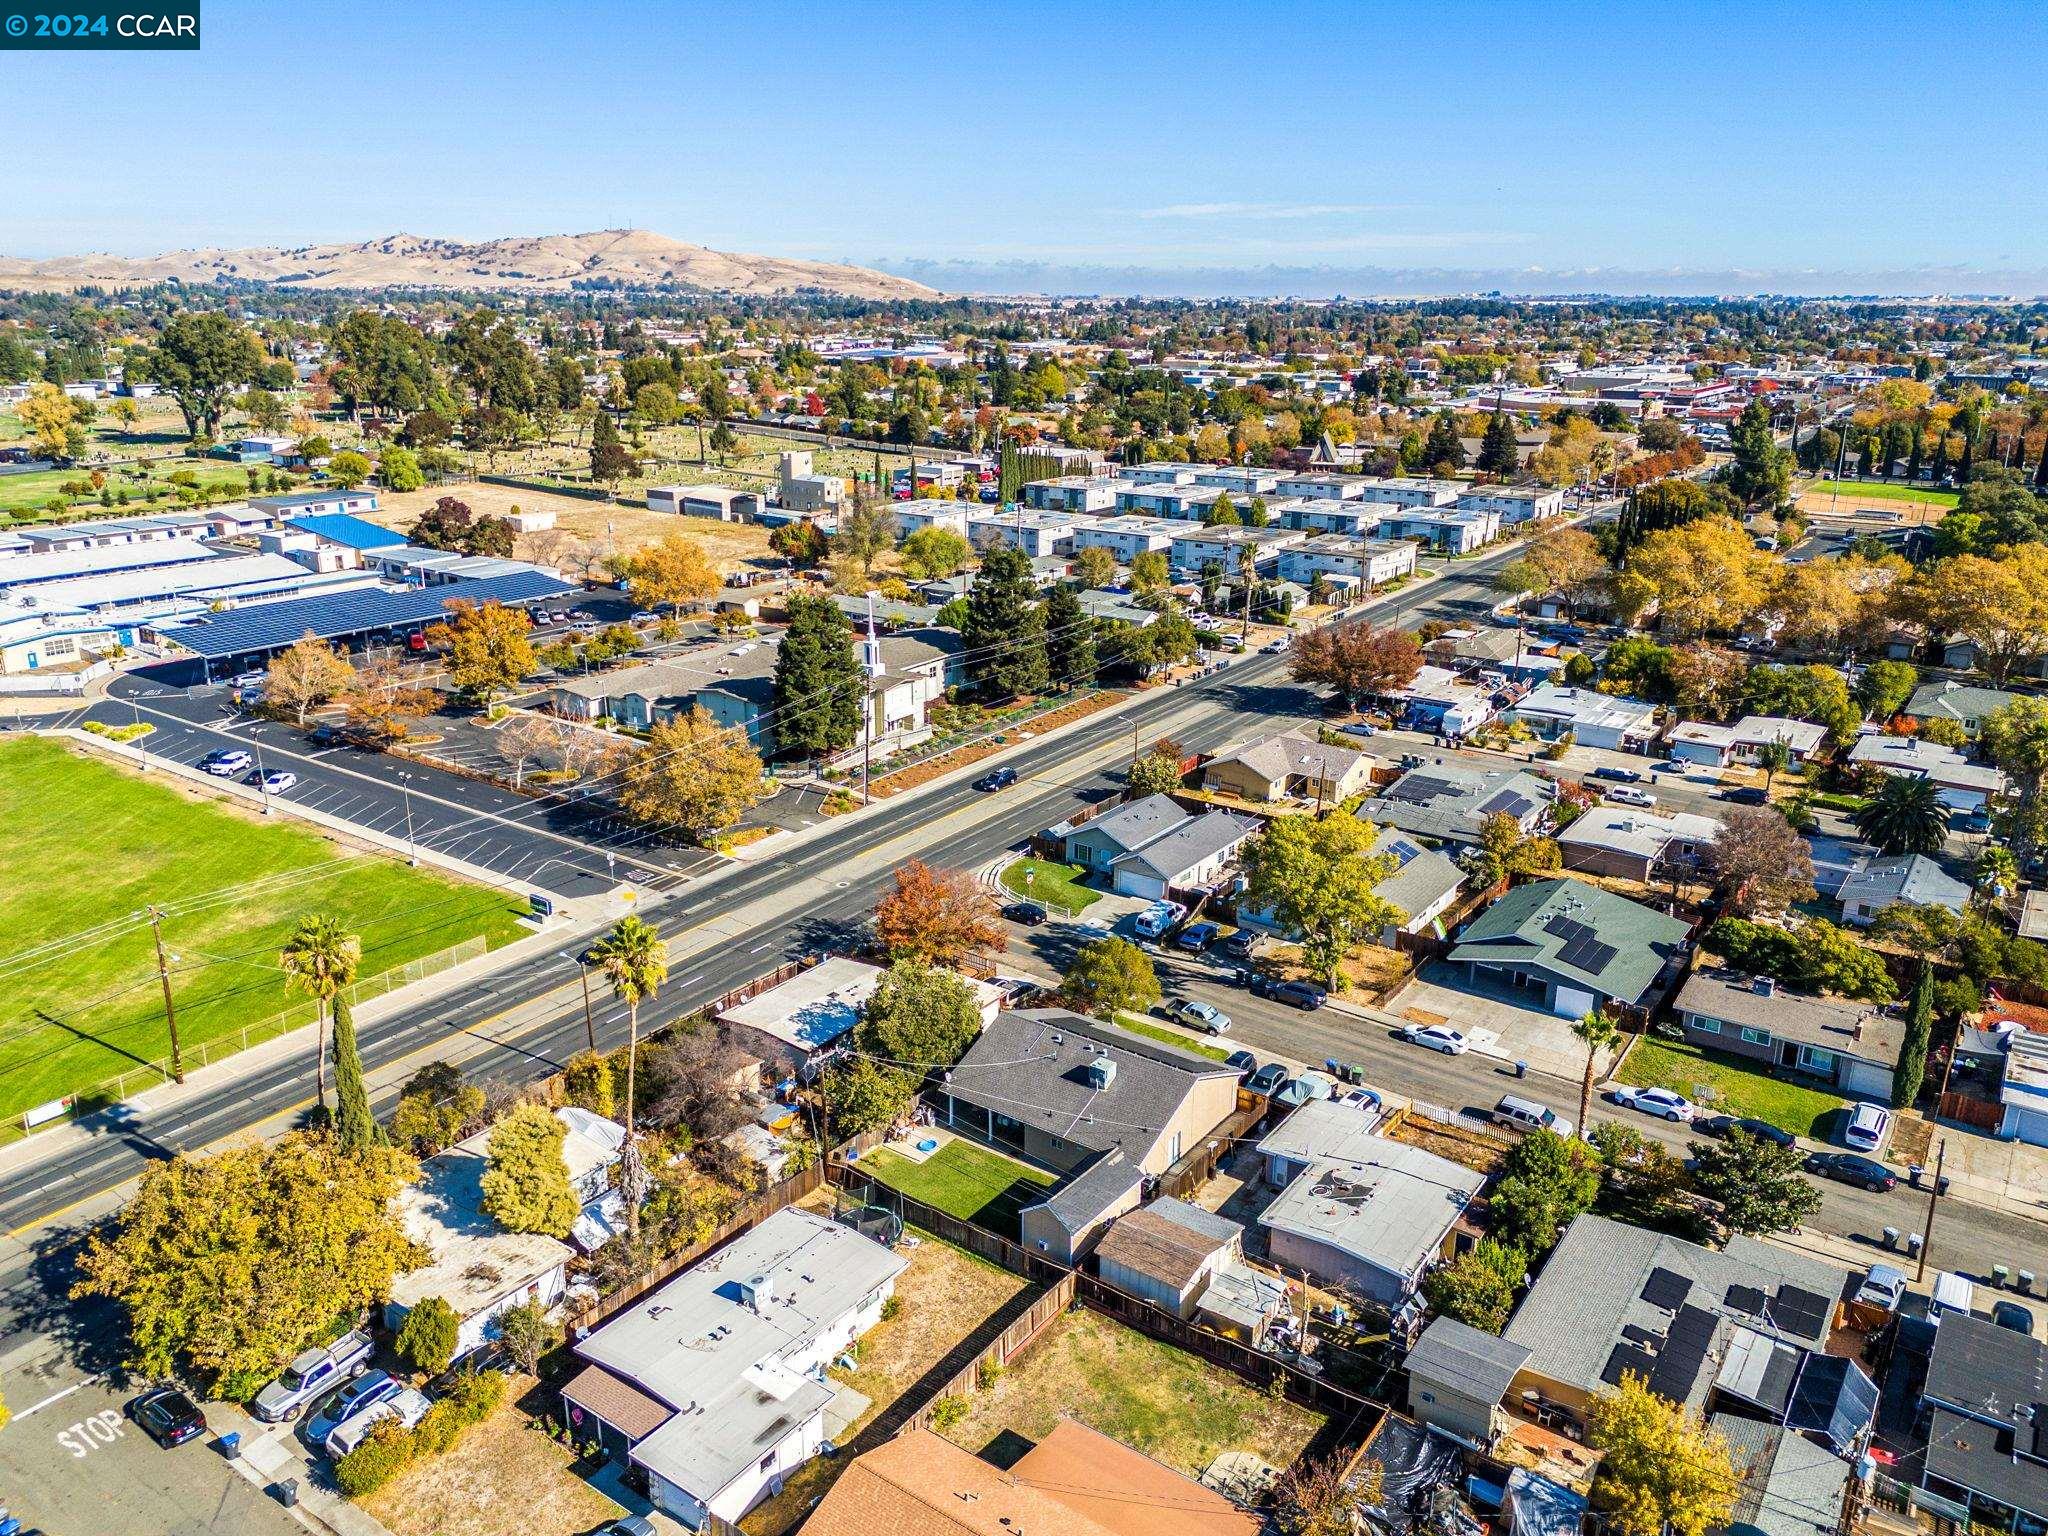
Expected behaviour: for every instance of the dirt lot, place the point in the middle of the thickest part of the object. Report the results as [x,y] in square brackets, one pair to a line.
[1466,1148]
[1158,1399]
[500,1465]
[731,545]
[946,1294]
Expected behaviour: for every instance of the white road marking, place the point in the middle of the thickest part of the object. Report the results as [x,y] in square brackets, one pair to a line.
[58,1396]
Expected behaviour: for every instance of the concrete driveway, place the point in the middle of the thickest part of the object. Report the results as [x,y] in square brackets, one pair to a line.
[1497,1025]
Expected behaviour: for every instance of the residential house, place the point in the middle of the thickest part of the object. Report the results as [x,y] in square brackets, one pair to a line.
[1189,857]
[1340,558]
[1317,1131]
[1097,844]
[1635,845]
[1126,536]
[792,1023]
[1101,1106]
[1492,649]
[2022,1084]
[476,1266]
[1592,719]
[1074,1482]
[716,501]
[1458,1378]
[1374,1222]
[1613,1298]
[1443,703]
[1447,530]
[1107,607]
[714,1384]
[1424,885]
[1788,1483]
[1228,548]
[1572,947]
[1878,882]
[1960,784]
[1514,504]
[1450,802]
[1852,1046]
[1291,766]
[1165,1252]
[1716,746]
[1951,700]
[1987,1434]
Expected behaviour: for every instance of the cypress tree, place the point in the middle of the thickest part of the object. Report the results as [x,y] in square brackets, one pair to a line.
[1069,639]
[1913,1049]
[2041,468]
[355,1128]
[1005,629]
[1498,454]
[819,683]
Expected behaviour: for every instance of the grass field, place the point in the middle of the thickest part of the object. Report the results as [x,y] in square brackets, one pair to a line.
[1177,1038]
[1882,490]
[1057,886]
[24,496]
[964,1180]
[89,846]
[1739,1088]
[1159,1399]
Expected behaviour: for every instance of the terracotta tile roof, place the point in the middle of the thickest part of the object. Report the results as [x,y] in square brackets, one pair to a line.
[1124,1490]
[617,1401]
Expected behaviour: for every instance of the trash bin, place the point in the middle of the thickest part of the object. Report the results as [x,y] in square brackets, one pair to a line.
[2000,1273]
[1521,1069]
[1913,1172]
[1914,1243]
[1941,1185]
[231,1444]
[2026,1280]
[288,1492]
[1891,1237]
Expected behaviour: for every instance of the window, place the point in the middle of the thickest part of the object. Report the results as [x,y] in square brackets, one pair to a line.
[1755,1036]
[767,1463]
[1705,1025]
[60,645]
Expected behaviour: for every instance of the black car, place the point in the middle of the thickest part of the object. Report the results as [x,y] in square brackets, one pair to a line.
[1617,775]
[1749,795]
[168,1416]
[1267,1079]
[2010,1314]
[1848,1168]
[1245,1062]
[1029,913]
[1763,1130]
[1002,778]
[1305,995]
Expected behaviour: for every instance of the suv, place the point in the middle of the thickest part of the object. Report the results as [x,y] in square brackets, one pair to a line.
[314,1372]
[1616,775]
[1527,1115]
[407,1406]
[1241,945]
[345,1402]
[1206,1017]
[1305,995]
[226,763]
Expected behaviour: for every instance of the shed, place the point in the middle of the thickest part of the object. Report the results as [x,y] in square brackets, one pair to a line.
[1165,1252]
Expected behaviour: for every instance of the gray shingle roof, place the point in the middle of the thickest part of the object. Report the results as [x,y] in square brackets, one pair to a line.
[1424,877]
[1443,800]
[1576,931]
[1276,758]
[1467,1360]
[1193,842]
[1956,701]
[1134,824]
[1838,1024]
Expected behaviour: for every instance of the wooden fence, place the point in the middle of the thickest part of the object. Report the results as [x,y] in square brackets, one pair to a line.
[1011,1342]
[1197,1167]
[1983,1114]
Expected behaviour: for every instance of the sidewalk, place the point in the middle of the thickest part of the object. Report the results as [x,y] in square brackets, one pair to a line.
[270,1455]
[2008,1176]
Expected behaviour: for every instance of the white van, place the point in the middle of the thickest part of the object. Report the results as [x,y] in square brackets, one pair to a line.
[1952,1293]
[1158,918]
[1527,1115]
[407,1408]
[1869,1125]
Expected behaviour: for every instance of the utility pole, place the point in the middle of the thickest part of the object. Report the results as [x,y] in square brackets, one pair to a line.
[163,976]
[589,1025]
[1933,1194]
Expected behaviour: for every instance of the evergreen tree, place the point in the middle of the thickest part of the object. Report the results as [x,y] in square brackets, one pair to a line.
[609,460]
[1762,471]
[1941,457]
[820,685]
[1005,629]
[526,1186]
[1069,638]
[1443,448]
[1498,454]
[1912,1066]
[1222,513]
[2041,468]
[354,1126]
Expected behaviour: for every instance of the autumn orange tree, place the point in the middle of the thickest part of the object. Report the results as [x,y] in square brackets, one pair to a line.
[936,916]
[1358,660]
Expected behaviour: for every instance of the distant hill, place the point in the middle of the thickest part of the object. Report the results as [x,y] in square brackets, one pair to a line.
[635,258]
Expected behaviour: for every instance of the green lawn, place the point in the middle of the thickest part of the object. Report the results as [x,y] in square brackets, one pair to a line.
[1740,1087]
[1882,490]
[962,1179]
[1056,886]
[1139,1025]
[89,845]
[23,496]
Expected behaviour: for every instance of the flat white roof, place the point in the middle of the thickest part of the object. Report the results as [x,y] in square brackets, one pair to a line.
[813,1008]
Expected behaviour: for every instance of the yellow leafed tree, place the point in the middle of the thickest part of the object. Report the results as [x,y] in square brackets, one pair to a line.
[1708,575]
[674,572]
[1661,1469]
[695,777]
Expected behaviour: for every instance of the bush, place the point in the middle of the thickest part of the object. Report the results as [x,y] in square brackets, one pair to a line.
[427,1337]
[988,1373]
[387,1452]
[947,1412]
[892,1308]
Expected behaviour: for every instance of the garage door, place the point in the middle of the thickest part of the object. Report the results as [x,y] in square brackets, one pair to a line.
[1146,887]
[2028,1125]
[1866,1077]
[1571,1003]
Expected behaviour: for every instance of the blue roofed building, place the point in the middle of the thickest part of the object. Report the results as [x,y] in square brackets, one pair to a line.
[346,530]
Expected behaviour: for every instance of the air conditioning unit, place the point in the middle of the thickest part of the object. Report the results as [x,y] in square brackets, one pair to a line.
[1101,1072]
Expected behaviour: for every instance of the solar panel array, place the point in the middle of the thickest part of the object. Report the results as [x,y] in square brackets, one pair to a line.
[1418,789]
[1507,802]
[1628,1357]
[267,626]
[1745,1298]
[1684,1354]
[1837,1400]
[1666,1288]
[1802,1312]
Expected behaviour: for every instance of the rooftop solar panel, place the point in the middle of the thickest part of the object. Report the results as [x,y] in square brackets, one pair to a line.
[1418,789]
[266,626]
[1667,1289]
[1627,1357]
[1745,1298]
[1507,802]
[1569,929]
[1678,1367]
[1694,1326]
[1802,1312]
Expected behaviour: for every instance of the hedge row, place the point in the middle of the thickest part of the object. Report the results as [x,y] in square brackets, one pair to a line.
[390,1449]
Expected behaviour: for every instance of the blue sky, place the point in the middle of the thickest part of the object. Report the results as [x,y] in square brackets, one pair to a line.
[1139,145]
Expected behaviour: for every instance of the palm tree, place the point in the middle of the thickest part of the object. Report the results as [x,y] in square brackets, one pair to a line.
[1774,757]
[1599,1031]
[319,959]
[1905,816]
[634,959]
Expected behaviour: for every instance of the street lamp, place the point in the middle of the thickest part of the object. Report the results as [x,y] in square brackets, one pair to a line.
[405,789]
[262,778]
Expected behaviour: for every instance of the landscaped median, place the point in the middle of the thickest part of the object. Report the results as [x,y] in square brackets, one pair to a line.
[94,846]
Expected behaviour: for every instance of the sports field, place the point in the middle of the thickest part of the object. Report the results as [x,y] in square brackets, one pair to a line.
[90,846]
[1881,490]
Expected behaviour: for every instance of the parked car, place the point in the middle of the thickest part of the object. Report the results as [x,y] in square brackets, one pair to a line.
[1305,995]
[1029,913]
[1866,1127]
[1749,794]
[1671,765]
[248,680]
[1884,1287]
[643,616]
[1001,778]
[407,1407]
[1520,1114]
[1721,1125]
[345,1402]
[1661,1102]
[1241,945]
[1267,1079]
[1436,1037]
[313,1373]
[1157,919]
[1245,1062]
[1628,794]
[1848,1168]
[2010,1314]
[1617,775]
[168,1416]
[640,1525]
[226,762]
[1197,937]
[1206,1017]
[277,781]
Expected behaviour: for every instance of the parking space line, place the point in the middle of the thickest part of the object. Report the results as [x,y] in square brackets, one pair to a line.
[58,1396]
